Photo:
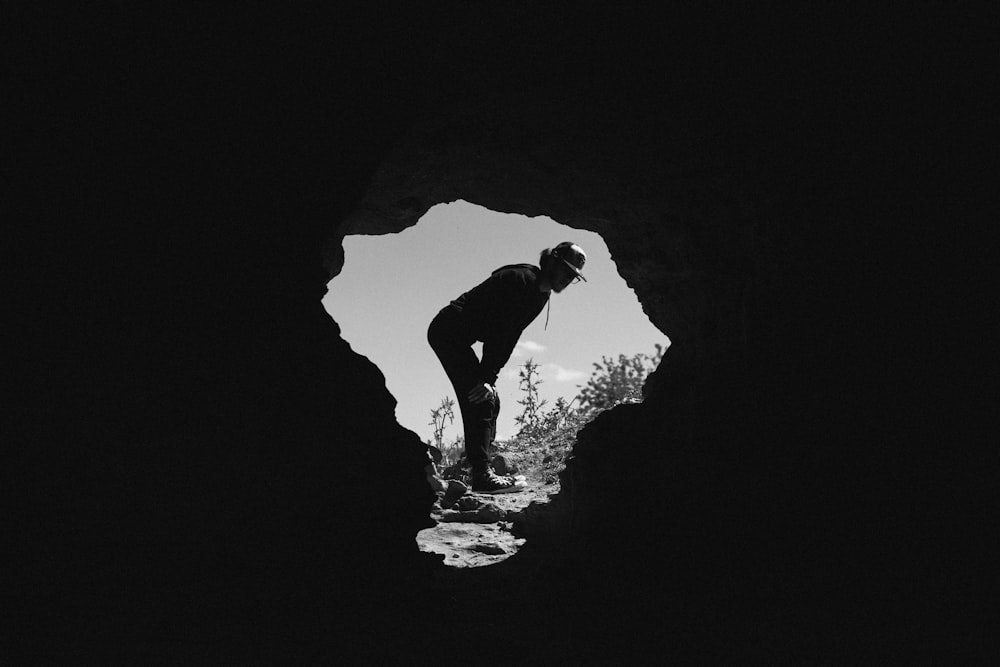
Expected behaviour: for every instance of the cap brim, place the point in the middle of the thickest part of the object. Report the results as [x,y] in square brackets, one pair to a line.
[577,271]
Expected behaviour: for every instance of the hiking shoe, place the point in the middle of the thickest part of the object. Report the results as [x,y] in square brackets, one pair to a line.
[490,482]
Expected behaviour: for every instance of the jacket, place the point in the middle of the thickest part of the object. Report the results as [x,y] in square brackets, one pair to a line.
[497,310]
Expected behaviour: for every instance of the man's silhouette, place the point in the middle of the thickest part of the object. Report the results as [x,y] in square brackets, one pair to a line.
[495,312]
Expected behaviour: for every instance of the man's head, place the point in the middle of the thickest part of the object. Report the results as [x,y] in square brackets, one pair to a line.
[562,266]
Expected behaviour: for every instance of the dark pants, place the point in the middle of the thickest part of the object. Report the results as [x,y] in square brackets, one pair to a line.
[462,366]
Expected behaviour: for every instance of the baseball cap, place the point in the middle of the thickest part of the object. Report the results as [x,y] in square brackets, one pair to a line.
[572,255]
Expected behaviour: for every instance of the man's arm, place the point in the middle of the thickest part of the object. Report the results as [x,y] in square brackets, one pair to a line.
[496,353]
[482,393]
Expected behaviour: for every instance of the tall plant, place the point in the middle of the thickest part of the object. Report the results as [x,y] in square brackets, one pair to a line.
[443,412]
[528,383]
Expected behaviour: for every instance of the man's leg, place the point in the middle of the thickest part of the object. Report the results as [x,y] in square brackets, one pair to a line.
[479,427]
[491,430]
[462,367]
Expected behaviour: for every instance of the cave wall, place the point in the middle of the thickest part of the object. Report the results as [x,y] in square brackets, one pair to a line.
[749,491]
[205,459]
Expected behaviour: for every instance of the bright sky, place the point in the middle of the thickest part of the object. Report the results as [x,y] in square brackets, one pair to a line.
[392,286]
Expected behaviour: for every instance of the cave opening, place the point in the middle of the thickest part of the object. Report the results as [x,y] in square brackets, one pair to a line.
[392,285]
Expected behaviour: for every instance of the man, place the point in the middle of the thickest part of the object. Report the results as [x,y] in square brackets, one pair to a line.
[495,312]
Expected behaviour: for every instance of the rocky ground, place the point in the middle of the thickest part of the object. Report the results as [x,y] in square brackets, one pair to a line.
[477,529]
[519,607]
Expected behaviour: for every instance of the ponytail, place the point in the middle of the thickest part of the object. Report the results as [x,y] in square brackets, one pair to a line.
[545,258]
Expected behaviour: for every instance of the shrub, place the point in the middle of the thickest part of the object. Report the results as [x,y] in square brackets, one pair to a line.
[546,436]
[452,453]
[539,449]
[614,382]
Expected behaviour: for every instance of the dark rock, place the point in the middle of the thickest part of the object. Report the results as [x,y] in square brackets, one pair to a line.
[499,463]
[490,548]
[469,503]
[793,199]
[456,490]
[485,513]
[490,513]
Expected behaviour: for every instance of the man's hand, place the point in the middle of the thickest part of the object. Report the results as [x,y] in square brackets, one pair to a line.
[482,393]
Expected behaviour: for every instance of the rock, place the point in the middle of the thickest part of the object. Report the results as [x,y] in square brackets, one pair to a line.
[500,466]
[468,503]
[489,513]
[490,548]
[456,489]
